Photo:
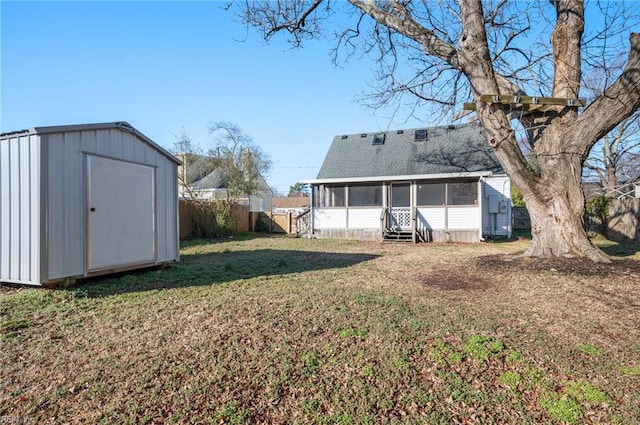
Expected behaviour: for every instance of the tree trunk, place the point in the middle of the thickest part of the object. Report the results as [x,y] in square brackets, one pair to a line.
[557,231]
[557,208]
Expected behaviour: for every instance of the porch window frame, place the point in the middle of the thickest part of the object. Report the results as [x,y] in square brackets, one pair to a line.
[378,186]
[447,200]
[320,195]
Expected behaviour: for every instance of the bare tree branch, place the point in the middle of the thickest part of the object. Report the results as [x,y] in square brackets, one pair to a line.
[618,102]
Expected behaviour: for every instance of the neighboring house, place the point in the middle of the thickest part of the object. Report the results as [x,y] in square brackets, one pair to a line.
[290,204]
[429,184]
[199,179]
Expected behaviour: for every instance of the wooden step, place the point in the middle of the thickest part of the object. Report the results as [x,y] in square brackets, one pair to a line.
[398,235]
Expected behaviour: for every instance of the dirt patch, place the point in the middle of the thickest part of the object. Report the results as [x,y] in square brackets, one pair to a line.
[562,266]
[7,288]
[453,280]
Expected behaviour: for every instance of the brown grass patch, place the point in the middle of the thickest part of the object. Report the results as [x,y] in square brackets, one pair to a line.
[279,330]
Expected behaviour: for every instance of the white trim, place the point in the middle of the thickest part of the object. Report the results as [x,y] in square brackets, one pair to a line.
[399,178]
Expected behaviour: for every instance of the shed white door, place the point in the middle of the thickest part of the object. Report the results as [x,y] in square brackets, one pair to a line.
[121,213]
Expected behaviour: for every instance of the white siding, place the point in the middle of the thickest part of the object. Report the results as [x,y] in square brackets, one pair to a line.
[20,207]
[431,218]
[496,224]
[66,194]
[463,218]
[330,218]
[364,218]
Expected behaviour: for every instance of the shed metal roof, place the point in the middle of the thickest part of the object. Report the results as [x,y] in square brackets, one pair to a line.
[121,125]
[449,150]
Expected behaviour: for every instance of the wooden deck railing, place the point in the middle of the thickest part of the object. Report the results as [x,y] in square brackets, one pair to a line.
[303,223]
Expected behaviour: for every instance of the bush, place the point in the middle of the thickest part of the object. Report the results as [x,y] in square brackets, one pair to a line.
[516,196]
[261,227]
[212,219]
[598,213]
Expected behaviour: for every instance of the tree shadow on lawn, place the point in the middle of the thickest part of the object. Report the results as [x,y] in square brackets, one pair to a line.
[201,269]
[621,250]
[609,247]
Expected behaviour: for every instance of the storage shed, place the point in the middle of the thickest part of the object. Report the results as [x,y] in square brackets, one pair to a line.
[84,200]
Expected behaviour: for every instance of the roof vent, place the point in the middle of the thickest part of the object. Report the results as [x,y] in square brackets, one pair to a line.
[400,132]
[421,135]
[344,136]
[124,126]
[363,135]
[378,139]
[451,126]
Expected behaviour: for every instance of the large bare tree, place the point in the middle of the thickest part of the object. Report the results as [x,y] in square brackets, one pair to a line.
[442,51]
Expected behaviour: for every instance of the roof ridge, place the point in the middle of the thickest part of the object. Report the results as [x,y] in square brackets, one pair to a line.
[401,130]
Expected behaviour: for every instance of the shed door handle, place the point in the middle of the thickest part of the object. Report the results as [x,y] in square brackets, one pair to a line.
[92,209]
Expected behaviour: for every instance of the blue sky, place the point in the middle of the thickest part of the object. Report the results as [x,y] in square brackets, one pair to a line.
[168,66]
[165,66]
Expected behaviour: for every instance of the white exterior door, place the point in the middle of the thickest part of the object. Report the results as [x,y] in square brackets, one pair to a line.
[120,213]
[400,206]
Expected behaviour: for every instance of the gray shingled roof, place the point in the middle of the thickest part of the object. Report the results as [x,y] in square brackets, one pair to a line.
[213,180]
[449,149]
[121,125]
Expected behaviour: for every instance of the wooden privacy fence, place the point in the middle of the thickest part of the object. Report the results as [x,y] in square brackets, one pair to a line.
[520,217]
[624,220]
[198,219]
[275,222]
[283,222]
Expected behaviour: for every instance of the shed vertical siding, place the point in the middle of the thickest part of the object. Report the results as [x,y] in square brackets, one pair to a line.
[66,194]
[167,212]
[20,208]
[65,208]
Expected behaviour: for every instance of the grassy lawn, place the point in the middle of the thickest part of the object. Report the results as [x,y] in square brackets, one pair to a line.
[283,330]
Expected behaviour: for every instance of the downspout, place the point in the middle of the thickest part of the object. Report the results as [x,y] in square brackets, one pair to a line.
[509,210]
[312,212]
[481,205]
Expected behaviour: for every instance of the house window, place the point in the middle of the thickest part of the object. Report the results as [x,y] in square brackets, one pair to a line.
[431,194]
[336,194]
[421,135]
[450,193]
[365,196]
[462,193]
[328,196]
[378,139]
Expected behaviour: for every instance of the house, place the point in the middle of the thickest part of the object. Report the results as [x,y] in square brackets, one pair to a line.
[290,204]
[198,178]
[428,184]
[84,200]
